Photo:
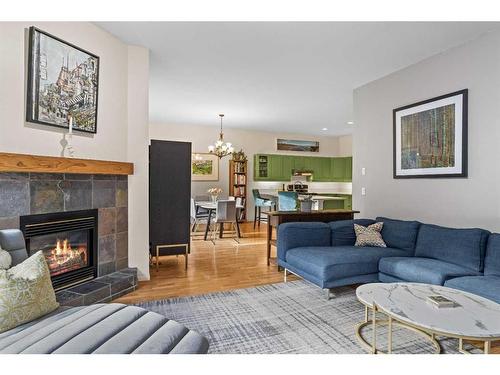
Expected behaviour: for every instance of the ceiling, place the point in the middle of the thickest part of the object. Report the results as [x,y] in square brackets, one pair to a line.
[278,76]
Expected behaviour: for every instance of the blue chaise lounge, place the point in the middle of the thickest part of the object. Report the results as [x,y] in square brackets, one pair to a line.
[324,254]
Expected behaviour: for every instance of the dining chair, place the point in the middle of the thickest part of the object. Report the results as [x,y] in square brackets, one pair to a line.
[287,200]
[225,213]
[259,202]
[201,198]
[197,216]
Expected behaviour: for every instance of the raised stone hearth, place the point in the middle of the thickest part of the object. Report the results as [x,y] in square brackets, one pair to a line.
[37,193]
[100,290]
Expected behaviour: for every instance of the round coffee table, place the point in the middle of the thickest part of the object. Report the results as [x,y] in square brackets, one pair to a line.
[405,304]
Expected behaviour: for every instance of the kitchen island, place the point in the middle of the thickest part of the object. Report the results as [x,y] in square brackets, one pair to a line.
[275,218]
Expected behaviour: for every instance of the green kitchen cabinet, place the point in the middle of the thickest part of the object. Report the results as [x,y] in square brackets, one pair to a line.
[348,169]
[322,170]
[288,165]
[298,162]
[276,172]
[270,167]
[338,166]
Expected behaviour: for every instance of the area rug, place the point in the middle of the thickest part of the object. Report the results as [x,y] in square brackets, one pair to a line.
[293,317]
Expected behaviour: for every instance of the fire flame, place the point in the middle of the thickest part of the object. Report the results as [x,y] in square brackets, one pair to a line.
[63,253]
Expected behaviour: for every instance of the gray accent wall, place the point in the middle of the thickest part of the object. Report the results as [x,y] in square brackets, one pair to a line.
[464,202]
[39,193]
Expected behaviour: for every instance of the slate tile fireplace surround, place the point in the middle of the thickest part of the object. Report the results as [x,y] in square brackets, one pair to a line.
[50,193]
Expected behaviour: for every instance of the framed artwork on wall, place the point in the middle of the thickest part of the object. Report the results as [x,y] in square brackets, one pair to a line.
[63,82]
[430,138]
[204,167]
[294,145]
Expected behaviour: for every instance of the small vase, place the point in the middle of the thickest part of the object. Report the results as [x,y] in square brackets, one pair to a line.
[214,198]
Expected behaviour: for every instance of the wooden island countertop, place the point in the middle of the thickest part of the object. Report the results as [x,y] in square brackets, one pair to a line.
[275,218]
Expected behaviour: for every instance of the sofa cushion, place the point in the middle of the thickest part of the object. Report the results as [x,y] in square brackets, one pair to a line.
[492,260]
[400,234]
[484,286]
[103,328]
[369,236]
[292,235]
[337,262]
[343,231]
[464,247]
[422,270]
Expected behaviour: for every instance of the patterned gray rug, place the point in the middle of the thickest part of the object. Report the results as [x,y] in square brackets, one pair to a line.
[292,317]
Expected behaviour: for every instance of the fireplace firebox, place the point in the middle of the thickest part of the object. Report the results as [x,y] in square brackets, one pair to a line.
[69,242]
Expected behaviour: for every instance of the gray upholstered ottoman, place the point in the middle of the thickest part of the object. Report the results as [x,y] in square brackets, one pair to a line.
[103,328]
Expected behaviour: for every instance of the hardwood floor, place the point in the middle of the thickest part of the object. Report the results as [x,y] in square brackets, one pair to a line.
[225,266]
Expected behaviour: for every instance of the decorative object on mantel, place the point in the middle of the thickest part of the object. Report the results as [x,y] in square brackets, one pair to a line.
[214,193]
[204,167]
[10,162]
[294,145]
[221,148]
[239,156]
[63,82]
[430,137]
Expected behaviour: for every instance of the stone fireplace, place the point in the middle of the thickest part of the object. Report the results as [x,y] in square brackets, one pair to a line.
[48,197]
[68,241]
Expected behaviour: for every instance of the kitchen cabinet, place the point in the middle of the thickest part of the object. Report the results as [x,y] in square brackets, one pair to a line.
[272,167]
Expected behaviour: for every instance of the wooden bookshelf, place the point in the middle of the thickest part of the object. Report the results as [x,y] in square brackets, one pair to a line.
[238,182]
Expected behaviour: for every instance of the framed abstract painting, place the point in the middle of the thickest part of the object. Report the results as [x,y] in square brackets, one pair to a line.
[63,82]
[430,138]
[204,167]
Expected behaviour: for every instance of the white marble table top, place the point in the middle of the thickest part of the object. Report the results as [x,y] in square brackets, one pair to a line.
[473,317]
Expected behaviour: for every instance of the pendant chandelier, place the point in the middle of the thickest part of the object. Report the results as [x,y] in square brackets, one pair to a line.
[221,148]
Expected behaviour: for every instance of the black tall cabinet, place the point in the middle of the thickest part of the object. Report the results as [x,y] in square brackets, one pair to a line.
[169,198]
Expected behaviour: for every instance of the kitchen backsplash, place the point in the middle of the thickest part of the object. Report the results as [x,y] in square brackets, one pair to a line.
[314,187]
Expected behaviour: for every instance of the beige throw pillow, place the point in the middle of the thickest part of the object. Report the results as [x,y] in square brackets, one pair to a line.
[370,235]
[26,292]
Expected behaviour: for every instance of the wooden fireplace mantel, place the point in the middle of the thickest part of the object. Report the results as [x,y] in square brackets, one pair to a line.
[10,162]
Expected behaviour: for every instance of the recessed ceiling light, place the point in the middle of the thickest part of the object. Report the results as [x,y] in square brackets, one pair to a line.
[324,129]
[350,122]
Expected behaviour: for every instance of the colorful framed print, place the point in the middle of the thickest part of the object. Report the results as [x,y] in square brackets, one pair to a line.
[294,145]
[204,167]
[430,138]
[63,82]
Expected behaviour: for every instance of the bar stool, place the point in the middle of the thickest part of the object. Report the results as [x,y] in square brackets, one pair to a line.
[259,203]
[287,200]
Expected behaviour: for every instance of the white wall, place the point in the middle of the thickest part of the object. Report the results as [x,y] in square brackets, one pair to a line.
[119,113]
[137,152]
[474,201]
[252,142]
[18,136]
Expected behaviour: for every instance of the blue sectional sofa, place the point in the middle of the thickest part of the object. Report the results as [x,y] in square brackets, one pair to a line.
[324,254]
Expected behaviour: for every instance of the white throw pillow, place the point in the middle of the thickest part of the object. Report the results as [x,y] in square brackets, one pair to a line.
[5,259]
[26,292]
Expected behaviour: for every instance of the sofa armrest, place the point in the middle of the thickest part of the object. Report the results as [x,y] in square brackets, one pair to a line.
[292,235]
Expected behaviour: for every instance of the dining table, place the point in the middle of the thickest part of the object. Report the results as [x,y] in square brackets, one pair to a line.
[211,207]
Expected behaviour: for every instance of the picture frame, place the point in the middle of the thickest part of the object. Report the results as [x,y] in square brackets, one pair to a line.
[63,82]
[430,138]
[297,145]
[204,167]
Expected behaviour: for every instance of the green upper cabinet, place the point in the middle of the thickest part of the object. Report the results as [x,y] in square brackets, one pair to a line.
[322,170]
[269,167]
[338,166]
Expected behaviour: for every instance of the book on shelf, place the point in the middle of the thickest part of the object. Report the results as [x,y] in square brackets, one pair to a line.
[240,179]
[440,301]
